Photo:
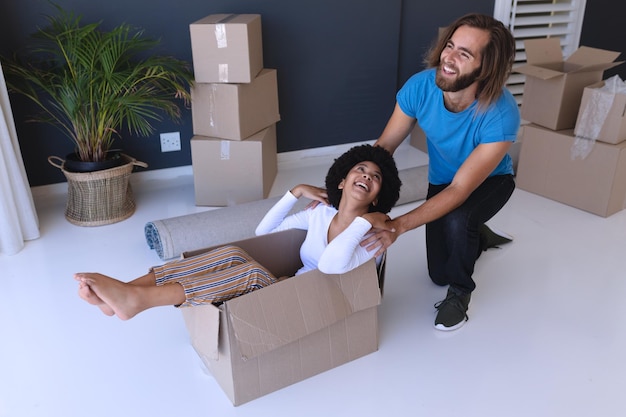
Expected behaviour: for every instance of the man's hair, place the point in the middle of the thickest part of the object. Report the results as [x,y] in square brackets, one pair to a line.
[390,186]
[497,57]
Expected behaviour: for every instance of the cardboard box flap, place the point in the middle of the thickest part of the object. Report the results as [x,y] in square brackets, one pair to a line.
[542,73]
[203,325]
[299,306]
[543,51]
[265,248]
[598,67]
[586,57]
[544,59]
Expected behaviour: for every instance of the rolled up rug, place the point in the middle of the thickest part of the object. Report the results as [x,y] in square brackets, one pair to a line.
[173,236]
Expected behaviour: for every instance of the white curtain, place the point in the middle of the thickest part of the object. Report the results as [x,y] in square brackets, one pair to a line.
[18,217]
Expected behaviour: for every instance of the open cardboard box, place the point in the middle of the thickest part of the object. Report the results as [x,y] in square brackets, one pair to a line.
[281,334]
[554,87]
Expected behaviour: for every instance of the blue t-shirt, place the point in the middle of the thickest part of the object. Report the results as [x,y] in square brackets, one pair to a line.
[451,137]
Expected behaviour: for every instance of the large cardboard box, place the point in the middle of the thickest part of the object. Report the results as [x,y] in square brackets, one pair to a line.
[596,184]
[554,87]
[226,48]
[297,328]
[227,172]
[235,111]
[602,115]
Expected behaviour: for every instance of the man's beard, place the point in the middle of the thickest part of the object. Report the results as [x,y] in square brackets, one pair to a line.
[459,84]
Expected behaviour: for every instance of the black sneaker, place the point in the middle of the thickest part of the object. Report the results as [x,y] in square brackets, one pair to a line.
[490,238]
[452,312]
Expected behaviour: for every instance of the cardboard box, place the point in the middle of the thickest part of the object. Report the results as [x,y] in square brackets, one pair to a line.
[553,87]
[235,111]
[609,120]
[596,184]
[297,328]
[227,48]
[418,138]
[230,172]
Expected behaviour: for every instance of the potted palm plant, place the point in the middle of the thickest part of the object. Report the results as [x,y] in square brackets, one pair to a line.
[94,84]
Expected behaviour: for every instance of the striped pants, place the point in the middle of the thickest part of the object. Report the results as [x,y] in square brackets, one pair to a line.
[215,276]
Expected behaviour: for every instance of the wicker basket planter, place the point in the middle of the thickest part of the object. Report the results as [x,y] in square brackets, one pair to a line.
[100,197]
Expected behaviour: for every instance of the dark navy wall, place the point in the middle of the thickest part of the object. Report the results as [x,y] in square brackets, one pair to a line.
[603,27]
[339,64]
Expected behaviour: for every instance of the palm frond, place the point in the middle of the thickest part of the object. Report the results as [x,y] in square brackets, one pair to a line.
[92,83]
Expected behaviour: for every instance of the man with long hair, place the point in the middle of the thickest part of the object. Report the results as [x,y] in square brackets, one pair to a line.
[470,120]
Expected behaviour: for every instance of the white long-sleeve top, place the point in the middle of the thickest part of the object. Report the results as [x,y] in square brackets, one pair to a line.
[342,254]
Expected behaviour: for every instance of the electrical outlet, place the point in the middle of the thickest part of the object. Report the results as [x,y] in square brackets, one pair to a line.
[170,141]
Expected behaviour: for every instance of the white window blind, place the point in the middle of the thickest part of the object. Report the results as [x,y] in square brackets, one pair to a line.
[531,19]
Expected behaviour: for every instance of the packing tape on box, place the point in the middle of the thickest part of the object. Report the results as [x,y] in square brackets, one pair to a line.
[220,36]
[220,31]
[223,73]
[212,94]
[222,42]
[224,150]
[592,117]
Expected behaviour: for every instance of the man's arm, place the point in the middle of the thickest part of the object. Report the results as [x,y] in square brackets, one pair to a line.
[476,168]
[398,128]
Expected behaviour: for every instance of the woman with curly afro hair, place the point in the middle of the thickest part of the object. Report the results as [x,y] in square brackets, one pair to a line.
[390,190]
[362,185]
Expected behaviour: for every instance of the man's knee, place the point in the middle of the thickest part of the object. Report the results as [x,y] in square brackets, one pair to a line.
[438,278]
[456,223]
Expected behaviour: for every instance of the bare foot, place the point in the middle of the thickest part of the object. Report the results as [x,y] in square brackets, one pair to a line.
[85,292]
[120,297]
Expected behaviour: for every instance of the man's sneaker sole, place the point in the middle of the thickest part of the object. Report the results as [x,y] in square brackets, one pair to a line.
[451,328]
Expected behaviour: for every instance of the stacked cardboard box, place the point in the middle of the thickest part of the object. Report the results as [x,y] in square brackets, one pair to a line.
[550,163]
[602,114]
[234,111]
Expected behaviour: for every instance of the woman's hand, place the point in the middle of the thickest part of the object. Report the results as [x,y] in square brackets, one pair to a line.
[316,194]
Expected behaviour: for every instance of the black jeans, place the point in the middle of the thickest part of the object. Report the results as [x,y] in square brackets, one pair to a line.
[453,241]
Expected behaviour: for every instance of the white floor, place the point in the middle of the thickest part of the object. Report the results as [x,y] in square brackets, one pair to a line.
[546,335]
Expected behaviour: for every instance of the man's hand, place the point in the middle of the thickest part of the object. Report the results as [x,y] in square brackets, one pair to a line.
[382,235]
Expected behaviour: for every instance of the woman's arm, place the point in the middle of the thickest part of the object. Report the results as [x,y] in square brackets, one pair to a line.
[345,252]
[397,129]
[276,218]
